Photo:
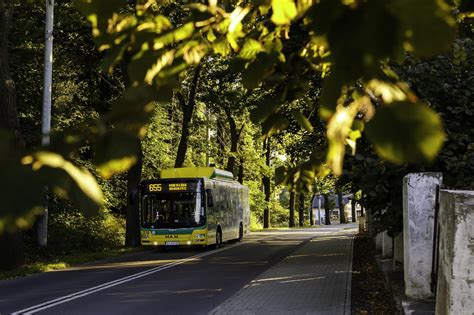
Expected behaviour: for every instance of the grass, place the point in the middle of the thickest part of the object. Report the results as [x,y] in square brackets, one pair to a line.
[63,262]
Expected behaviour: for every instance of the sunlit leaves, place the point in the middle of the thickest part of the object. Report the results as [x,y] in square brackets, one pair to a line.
[406,132]
[338,131]
[250,49]
[283,11]
[388,91]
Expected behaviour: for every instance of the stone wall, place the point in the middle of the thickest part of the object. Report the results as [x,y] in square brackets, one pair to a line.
[455,289]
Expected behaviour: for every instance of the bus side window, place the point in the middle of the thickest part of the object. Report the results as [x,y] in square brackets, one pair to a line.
[210,201]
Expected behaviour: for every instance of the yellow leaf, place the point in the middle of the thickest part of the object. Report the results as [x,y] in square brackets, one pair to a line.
[81,177]
[283,11]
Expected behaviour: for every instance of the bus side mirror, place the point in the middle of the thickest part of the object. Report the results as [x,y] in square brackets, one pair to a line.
[210,202]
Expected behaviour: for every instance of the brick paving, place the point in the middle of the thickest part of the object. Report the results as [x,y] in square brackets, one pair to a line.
[315,279]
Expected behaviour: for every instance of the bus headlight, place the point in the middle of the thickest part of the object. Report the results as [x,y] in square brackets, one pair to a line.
[200,236]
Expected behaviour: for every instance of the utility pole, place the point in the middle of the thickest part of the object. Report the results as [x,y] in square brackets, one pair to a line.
[42,221]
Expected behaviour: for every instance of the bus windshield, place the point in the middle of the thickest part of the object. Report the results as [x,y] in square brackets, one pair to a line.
[172,210]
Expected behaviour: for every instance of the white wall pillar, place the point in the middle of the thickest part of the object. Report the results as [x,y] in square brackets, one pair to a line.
[419,198]
[455,290]
[387,245]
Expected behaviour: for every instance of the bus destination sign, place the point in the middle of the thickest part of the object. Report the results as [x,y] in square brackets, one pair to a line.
[170,187]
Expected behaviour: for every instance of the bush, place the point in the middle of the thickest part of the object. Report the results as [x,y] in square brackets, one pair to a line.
[70,232]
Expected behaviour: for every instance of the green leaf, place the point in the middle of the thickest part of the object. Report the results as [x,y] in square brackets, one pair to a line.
[250,49]
[302,120]
[21,188]
[406,132]
[116,152]
[72,181]
[274,124]
[283,11]
[222,47]
[428,26]
[98,12]
[265,108]
[113,56]
[258,70]
[22,192]
[136,106]
[363,36]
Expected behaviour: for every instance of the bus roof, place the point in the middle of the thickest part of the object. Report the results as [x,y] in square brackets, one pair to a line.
[196,172]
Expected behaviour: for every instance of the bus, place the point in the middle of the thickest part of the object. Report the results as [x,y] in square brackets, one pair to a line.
[193,206]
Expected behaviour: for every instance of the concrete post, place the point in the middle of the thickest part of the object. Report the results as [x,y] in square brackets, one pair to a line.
[378,241]
[398,251]
[455,289]
[387,245]
[419,198]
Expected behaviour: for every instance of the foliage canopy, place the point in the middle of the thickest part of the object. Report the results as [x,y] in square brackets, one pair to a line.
[278,46]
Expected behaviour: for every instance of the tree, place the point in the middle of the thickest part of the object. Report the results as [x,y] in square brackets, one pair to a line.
[187,107]
[353,210]
[340,201]
[8,108]
[292,209]
[280,44]
[301,210]
[267,184]
[327,209]
[11,244]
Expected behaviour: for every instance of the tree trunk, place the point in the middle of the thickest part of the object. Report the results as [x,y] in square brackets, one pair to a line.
[361,211]
[342,214]
[220,136]
[132,234]
[188,110]
[301,211]
[292,209]
[327,210]
[234,140]
[241,171]
[11,245]
[266,186]
[8,109]
[353,209]
[183,142]
[311,216]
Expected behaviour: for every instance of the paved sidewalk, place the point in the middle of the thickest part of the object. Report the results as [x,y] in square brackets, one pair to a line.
[315,279]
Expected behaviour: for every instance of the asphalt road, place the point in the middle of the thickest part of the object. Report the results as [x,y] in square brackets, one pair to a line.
[179,281]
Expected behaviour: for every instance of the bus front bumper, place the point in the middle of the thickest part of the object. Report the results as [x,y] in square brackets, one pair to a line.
[158,238]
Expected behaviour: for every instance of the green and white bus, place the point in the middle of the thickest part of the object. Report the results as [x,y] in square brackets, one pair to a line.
[193,206]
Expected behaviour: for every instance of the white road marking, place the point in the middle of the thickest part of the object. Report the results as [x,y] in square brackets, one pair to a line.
[73,296]
[63,299]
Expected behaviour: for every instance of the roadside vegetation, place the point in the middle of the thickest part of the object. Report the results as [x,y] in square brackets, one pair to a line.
[293,97]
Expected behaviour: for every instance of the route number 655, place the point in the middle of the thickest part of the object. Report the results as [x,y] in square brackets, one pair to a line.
[154,187]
